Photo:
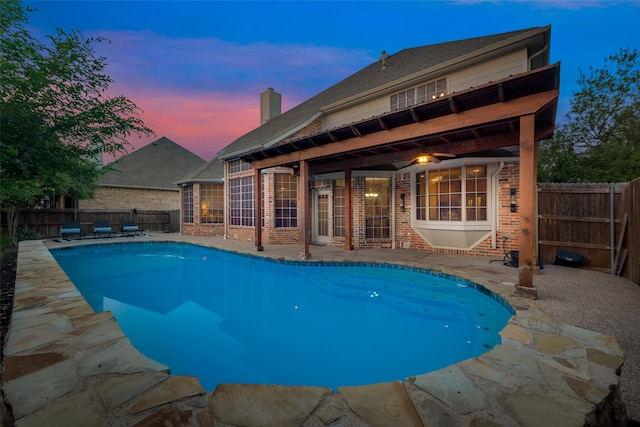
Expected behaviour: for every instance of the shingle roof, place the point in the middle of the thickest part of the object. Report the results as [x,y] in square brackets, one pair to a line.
[157,165]
[398,66]
[211,172]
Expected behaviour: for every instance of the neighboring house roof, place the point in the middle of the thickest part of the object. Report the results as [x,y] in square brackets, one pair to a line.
[400,67]
[158,165]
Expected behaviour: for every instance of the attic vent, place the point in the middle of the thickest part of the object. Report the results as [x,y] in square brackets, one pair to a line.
[383,59]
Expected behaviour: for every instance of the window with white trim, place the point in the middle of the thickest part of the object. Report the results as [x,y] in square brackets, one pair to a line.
[212,203]
[339,208]
[452,194]
[286,200]
[378,207]
[187,204]
[238,166]
[476,193]
[417,95]
[241,210]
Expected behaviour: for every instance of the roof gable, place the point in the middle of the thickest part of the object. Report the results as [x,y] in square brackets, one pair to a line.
[212,172]
[157,165]
[399,66]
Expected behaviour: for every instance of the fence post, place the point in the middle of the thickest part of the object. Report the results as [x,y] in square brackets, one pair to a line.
[612,228]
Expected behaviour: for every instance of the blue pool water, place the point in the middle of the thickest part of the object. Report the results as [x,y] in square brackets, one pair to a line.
[229,318]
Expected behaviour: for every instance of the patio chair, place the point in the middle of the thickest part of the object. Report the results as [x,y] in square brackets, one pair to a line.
[130,227]
[71,228]
[102,227]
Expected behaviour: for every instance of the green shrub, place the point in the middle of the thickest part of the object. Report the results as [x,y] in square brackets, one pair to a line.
[6,241]
[25,234]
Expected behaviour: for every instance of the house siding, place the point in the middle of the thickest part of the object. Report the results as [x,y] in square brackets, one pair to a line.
[116,198]
[471,76]
[365,110]
[489,71]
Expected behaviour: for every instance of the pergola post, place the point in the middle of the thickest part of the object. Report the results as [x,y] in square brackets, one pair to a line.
[527,207]
[348,245]
[257,203]
[304,215]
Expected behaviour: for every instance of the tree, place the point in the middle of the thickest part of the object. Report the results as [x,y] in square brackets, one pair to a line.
[56,119]
[600,138]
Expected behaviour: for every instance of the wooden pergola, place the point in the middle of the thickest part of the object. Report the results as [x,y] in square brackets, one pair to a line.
[511,114]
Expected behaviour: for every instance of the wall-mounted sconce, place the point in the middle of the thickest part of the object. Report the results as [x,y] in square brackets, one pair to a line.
[401,202]
[512,201]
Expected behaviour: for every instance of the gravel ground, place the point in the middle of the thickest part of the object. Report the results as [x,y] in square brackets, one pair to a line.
[610,305]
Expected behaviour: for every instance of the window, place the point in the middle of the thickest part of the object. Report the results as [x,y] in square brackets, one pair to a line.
[417,95]
[440,194]
[377,200]
[212,203]
[241,211]
[286,200]
[187,204]
[476,194]
[338,209]
[238,166]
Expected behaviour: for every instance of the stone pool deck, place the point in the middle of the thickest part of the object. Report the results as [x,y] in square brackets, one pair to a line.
[66,365]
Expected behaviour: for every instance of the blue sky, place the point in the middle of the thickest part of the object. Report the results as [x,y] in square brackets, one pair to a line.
[197,68]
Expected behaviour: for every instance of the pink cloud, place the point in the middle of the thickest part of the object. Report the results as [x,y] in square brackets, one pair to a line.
[203,93]
[203,123]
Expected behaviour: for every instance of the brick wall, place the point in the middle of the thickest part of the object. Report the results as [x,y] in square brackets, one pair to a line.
[203,229]
[508,221]
[111,198]
[313,128]
[404,234]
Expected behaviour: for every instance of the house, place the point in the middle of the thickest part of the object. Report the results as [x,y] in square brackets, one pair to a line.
[431,148]
[145,179]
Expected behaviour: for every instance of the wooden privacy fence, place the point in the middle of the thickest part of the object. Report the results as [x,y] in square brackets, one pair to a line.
[593,220]
[47,222]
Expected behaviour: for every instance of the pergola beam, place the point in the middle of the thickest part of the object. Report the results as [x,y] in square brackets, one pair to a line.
[440,125]
[469,146]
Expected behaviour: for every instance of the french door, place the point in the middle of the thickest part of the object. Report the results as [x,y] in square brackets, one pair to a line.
[321,217]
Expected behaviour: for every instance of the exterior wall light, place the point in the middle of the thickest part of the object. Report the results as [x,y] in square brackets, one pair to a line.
[513,201]
[401,202]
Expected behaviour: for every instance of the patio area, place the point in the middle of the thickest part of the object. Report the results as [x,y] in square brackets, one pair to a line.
[560,362]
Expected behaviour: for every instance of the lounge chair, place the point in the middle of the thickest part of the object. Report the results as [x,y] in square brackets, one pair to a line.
[102,227]
[71,228]
[129,227]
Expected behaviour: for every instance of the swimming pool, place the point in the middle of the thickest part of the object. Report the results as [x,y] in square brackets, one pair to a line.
[230,318]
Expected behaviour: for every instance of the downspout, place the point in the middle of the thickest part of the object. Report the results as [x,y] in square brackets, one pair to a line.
[226,198]
[181,208]
[495,216]
[540,52]
[393,212]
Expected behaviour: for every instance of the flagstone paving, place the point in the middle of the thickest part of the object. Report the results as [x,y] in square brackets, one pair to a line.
[65,365]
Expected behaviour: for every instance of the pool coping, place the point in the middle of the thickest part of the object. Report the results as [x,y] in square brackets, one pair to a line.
[543,373]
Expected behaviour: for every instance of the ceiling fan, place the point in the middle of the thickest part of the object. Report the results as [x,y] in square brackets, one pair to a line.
[424,158]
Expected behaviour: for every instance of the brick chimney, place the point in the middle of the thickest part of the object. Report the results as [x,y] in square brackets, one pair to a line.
[270,105]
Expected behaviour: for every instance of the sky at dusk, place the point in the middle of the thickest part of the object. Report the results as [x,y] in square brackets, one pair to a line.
[197,68]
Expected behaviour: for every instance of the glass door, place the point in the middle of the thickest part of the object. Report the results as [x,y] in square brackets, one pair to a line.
[321,217]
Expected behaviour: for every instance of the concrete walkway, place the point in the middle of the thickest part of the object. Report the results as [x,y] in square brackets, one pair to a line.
[65,364]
